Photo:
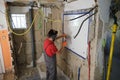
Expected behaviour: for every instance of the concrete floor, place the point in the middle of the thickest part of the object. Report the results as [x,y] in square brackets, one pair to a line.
[29,74]
[1,76]
[33,74]
[7,76]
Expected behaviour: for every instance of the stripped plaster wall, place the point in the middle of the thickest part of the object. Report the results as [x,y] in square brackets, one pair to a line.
[68,62]
[104,26]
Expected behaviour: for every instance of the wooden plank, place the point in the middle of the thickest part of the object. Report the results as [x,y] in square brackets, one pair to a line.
[4,40]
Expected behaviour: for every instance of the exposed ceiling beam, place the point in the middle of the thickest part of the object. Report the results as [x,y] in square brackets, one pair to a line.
[18,3]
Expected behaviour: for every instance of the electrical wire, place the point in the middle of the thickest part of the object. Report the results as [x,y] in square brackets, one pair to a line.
[84,14]
[83,23]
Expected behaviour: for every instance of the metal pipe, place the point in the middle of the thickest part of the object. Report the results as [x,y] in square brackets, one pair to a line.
[32,38]
[114,30]
[79,73]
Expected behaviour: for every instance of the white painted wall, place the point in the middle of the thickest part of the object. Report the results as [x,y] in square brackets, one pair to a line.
[79,4]
[2,69]
[3,22]
[3,25]
[78,45]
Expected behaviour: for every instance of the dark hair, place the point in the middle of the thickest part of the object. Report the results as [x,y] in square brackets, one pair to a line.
[52,34]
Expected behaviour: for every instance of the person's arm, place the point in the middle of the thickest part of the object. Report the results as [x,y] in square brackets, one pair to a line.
[62,36]
[58,52]
[63,45]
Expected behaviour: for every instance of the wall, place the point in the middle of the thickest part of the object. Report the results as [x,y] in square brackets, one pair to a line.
[104,13]
[2,15]
[78,4]
[70,62]
[104,9]
[67,61]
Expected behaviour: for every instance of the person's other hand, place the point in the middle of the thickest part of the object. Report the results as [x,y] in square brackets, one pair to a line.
[64,44]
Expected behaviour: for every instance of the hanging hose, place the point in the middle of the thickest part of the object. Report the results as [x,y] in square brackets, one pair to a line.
[36,16]
[20,34]
[83,23]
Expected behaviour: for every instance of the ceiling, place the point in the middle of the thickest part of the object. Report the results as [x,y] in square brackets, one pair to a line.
[41,2]
[28,2]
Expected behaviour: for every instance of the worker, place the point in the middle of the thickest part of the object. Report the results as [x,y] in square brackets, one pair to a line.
[50,51]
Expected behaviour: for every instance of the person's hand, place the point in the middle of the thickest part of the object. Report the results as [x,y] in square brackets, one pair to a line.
[64,44]
[64,35]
